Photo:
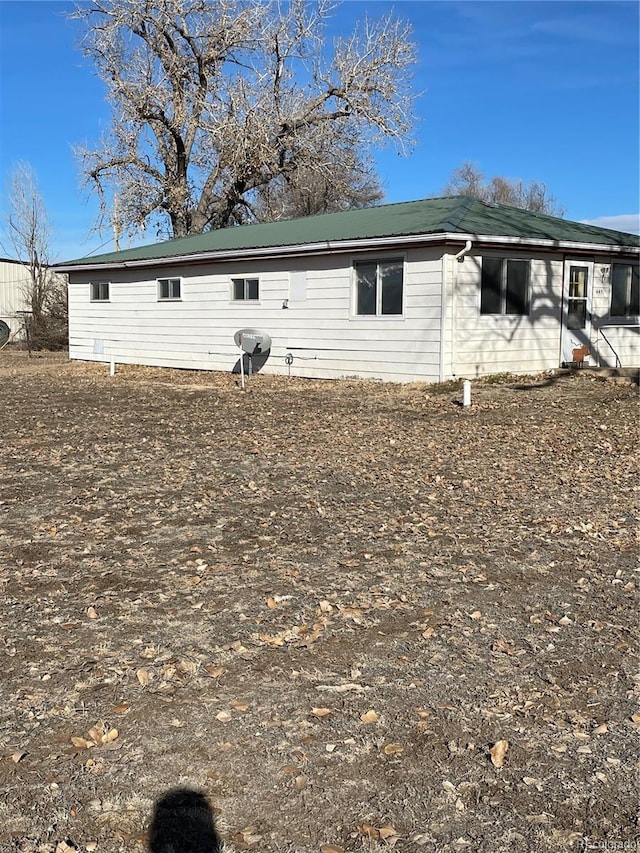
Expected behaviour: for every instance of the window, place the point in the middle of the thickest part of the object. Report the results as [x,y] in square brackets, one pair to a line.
[379,286]
[168,288]
[577,301]
[245,289]
[625,291]
[99,291]
[504,287]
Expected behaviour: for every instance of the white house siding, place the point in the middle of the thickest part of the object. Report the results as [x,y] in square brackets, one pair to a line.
[611,336]
[318,328]
[449,266]
[13,288]
[485,344]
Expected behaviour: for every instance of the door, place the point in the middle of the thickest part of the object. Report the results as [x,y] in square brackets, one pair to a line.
[576,312]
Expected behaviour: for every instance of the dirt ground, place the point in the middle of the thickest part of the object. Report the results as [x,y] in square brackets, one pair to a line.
[355,616]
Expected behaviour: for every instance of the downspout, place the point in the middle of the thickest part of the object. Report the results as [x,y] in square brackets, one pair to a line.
[467,248]
[454,292]
[444,275]
[563,306]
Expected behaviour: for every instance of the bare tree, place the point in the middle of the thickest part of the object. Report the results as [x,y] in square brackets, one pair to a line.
[215,100]
[469,180]
[28,232]
[309,189]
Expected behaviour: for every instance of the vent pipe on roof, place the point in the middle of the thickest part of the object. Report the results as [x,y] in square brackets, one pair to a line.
[460,256]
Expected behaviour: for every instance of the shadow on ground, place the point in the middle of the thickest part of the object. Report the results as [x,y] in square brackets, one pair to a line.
[630,375]
[183,823]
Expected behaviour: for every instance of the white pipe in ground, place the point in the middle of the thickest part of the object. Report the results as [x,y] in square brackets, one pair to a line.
[466,393]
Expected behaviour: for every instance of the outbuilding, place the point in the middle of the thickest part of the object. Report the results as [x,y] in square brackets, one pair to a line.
[14,299]
[419,291]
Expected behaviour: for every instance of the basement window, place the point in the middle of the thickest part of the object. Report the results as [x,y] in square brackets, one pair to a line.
[504,287]
[379,287]
[245,289]
[625,291]
[99,291]
[169,289]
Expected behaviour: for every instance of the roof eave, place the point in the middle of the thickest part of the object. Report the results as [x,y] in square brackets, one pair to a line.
[559,245]
[359,244]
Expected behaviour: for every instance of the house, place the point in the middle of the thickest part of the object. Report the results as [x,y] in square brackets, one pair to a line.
[14,300]
[419,291]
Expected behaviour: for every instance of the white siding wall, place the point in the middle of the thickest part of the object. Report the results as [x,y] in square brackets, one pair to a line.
[485,344]
[611,335]
[326,340]
[449,269]
[13,283]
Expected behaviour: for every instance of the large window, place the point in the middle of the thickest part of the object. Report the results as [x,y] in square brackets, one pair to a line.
[379,286]
[246,289]
[504,287]
[99,291]
[168,289]
[625,291]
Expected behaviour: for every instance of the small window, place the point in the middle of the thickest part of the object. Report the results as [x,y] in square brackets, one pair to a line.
[169,289]
[625,291]
[379,287]
[504,287]
[99,291]
[245,289]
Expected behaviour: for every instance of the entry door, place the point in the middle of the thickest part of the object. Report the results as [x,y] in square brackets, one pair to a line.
[576,311]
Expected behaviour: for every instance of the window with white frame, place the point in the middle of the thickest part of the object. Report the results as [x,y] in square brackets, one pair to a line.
[169,289]
[625,290]
[99,291]
[379,287]
[504,287]
[245,289]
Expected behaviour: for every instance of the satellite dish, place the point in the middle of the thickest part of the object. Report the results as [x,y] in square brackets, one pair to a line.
[5,332]
[252,341]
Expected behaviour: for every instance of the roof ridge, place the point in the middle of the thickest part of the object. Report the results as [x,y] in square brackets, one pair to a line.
[335,212]
[460,211]
[596,230]
[502,205]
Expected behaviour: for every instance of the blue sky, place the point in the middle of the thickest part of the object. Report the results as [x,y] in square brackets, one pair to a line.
[545,91]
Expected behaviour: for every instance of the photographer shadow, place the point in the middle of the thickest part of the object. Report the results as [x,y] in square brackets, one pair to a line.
[183,823]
